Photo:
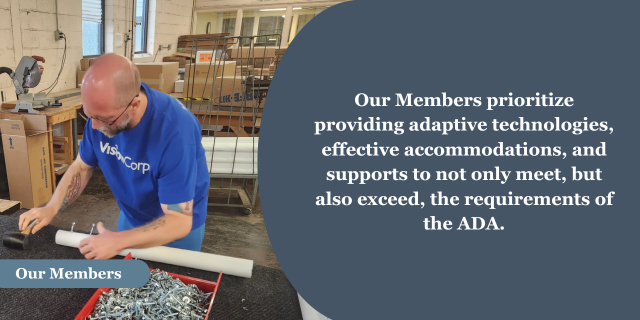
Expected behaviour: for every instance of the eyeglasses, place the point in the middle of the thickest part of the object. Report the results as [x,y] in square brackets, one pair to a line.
[84,116]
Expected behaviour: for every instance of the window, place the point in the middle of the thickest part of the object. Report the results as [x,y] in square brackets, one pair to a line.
[268,26]
[246,30]
[229,22]
[216,22]
[142,16]
[302,17]
[258,22]
[92,27]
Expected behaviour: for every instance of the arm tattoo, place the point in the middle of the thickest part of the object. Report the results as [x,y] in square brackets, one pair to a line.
[185,208]
[73,192]
[63,206]
[153,225]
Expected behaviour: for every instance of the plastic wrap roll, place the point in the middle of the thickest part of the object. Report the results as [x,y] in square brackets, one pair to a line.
[179,257]
[308,312]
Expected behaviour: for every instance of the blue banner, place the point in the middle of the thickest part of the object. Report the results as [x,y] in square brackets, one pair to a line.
[73,273]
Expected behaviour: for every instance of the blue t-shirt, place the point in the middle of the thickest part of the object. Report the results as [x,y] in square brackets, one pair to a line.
[161,160]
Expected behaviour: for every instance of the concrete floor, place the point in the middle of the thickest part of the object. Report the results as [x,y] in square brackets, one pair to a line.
[228,231]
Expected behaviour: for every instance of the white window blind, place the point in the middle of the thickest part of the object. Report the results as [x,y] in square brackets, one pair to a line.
[92,27]
[92,10]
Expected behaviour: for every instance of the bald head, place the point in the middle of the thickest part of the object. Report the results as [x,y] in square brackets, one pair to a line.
[110,83]
[111,94]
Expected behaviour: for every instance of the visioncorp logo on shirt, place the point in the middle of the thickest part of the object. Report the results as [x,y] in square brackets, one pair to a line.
[113,150]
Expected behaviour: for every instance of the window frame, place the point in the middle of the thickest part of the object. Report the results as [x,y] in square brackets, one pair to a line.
[103,36]
[267,41]
[145,28]
[231,26]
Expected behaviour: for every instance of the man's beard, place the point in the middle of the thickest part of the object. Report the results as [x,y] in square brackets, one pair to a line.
[112,132]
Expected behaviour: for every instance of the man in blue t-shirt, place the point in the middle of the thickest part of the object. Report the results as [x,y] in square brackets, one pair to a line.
[148,145]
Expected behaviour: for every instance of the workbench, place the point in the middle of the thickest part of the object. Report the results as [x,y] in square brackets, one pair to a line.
[268,295]
[67,115]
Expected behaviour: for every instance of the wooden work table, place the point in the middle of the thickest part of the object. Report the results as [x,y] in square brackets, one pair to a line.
[67,115]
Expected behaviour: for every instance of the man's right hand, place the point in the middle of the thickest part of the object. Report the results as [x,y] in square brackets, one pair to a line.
[45,215]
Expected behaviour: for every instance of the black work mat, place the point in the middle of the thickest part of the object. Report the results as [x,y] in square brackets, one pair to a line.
[267,295]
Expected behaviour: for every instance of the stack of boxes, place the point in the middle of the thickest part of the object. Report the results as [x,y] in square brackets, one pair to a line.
[161,76]
[243,71]
[199,78]
[84,66]
[257,63]
[182,61]
[276,61]
[226,79]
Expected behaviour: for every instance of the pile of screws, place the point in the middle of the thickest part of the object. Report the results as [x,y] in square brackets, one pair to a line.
[163,297]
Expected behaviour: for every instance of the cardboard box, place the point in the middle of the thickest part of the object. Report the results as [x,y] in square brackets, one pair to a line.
[161,76]
[86,63]
[244,71]
[230,91]
[80,76]
[179,86]
[26,154]
[258,72]
[182,61]
[244,68]
[199,77]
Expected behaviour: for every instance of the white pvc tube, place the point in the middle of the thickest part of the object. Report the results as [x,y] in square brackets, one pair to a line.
[308,312]
[179,257]
[230,144]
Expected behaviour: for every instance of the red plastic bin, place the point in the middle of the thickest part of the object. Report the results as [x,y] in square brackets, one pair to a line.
[204,285]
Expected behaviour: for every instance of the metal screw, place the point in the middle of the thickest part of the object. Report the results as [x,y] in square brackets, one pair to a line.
[160,298]
[73,225]
[92,226]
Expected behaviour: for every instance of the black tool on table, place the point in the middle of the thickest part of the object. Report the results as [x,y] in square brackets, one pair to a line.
[18,239]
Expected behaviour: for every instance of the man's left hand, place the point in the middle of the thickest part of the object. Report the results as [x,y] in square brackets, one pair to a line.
[104,245]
